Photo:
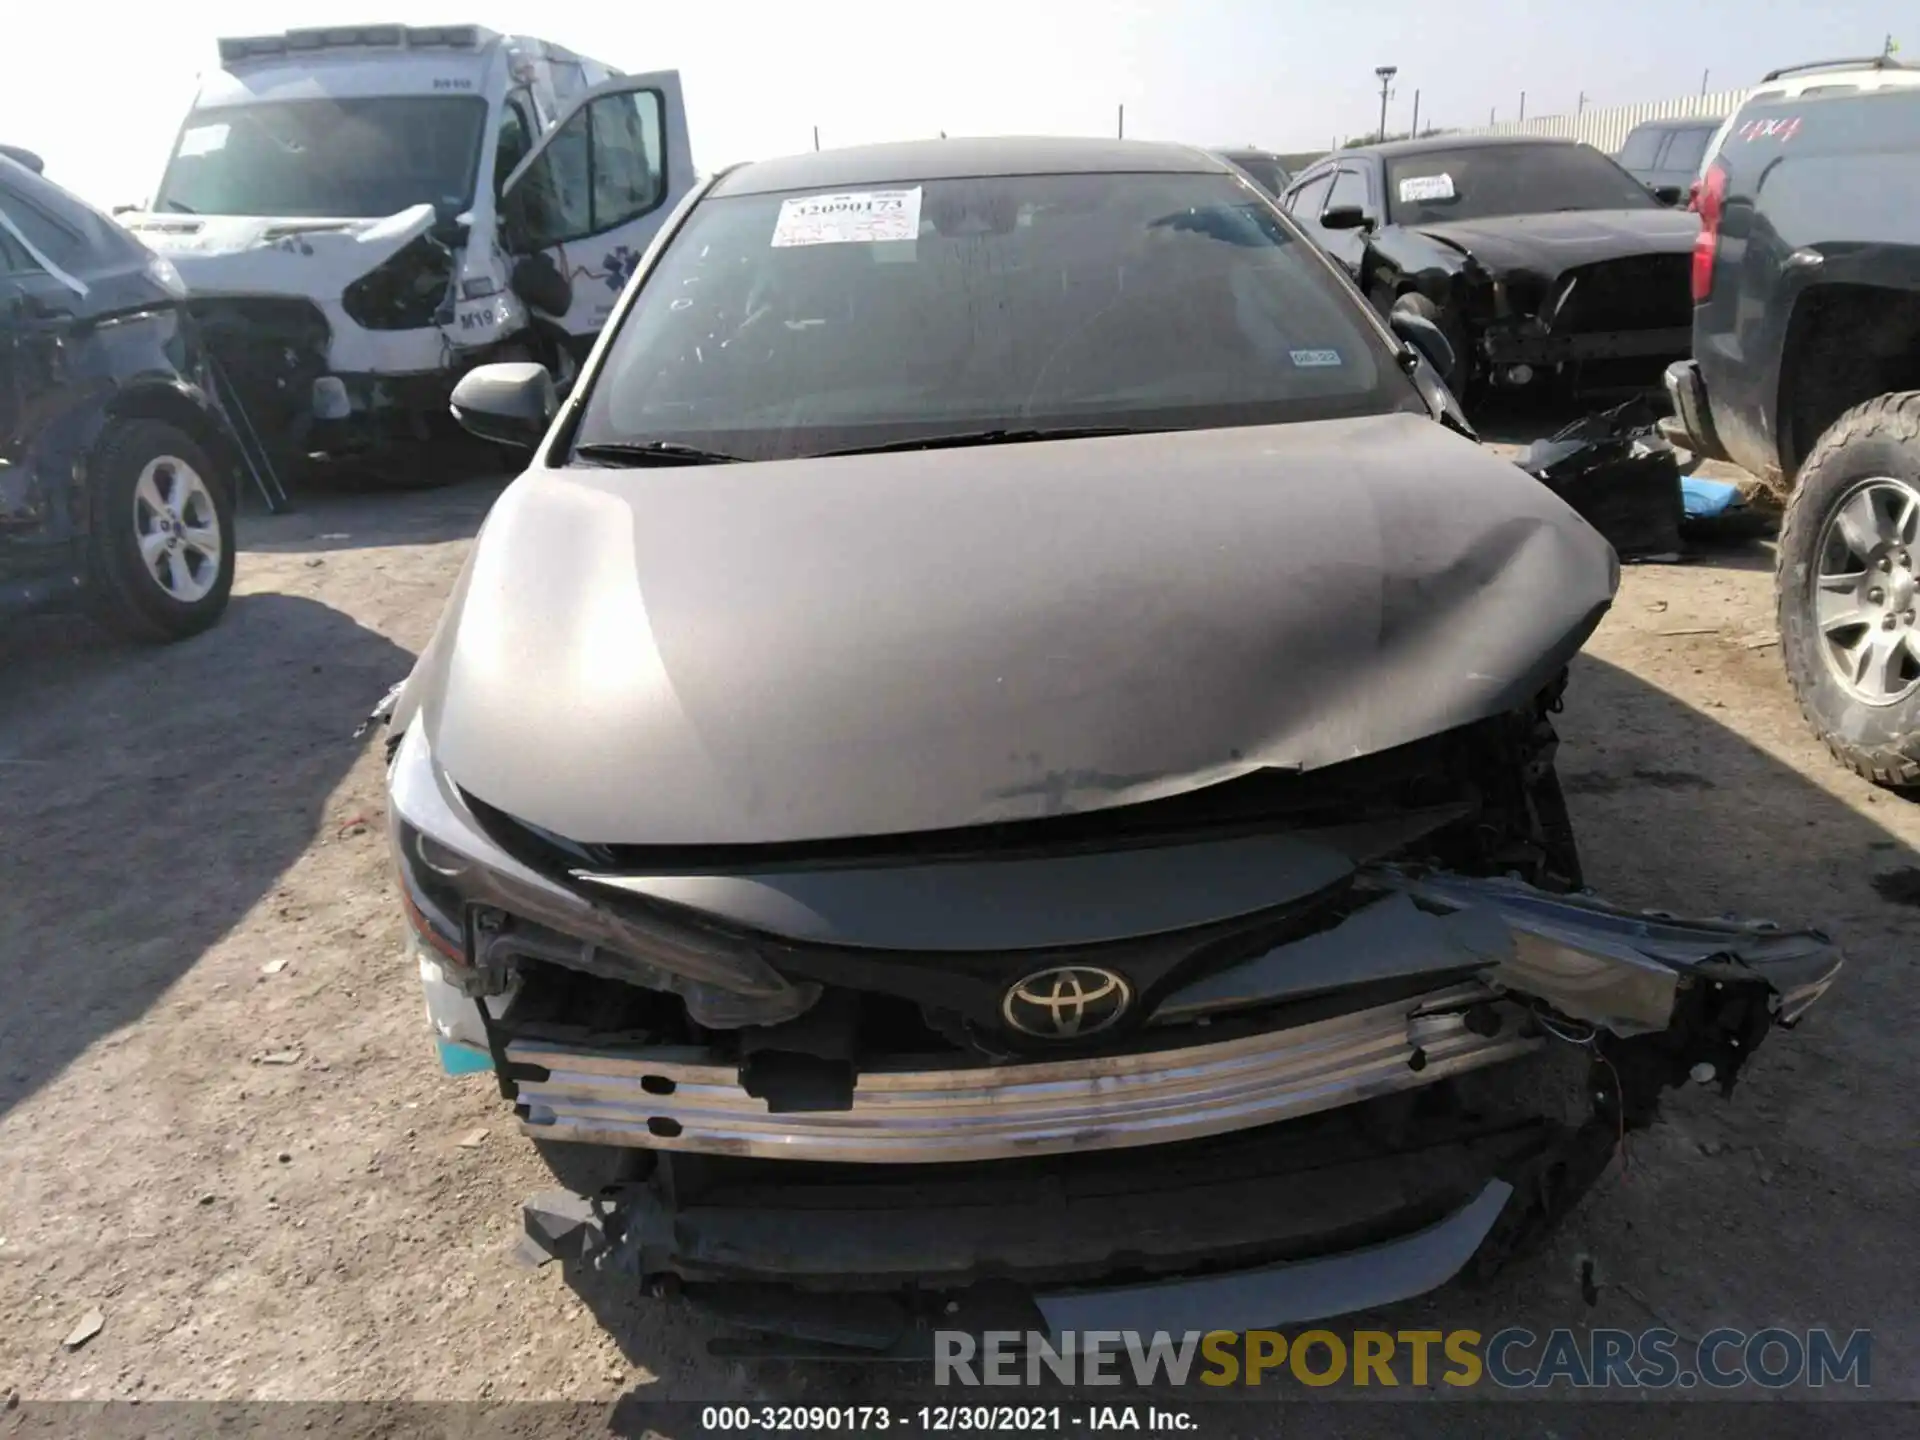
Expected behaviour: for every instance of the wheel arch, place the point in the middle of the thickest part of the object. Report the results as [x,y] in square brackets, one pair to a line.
[1844,344]
[174,405]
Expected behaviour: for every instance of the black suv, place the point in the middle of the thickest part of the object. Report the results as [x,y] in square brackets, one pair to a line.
[118,470]
[1806,372]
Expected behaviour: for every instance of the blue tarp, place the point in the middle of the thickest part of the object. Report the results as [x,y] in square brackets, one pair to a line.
[1703,499]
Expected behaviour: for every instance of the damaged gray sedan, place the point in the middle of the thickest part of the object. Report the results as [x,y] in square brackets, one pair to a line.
[997,770]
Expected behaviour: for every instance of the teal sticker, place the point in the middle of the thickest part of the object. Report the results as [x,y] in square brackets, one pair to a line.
[458,1059]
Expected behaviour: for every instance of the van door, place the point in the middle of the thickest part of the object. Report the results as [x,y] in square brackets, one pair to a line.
[581,209]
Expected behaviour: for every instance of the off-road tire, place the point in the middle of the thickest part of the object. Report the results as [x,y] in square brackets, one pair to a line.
[122,594]
[1880,437]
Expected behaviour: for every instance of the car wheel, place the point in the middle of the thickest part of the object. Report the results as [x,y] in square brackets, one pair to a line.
[1845,587]
[161,553]
[1415,303]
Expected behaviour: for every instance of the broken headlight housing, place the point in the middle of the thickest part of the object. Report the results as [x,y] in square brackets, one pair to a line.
[429,874]
[409,290]
[468,898]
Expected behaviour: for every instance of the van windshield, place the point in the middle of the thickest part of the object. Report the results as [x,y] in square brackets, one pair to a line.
[783,325]
[359,158]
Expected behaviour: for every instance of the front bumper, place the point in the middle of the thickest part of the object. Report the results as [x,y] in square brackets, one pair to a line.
[1288,1224]
[1471,962]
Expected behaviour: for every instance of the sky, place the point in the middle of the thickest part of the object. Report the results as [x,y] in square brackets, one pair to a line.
[102,109]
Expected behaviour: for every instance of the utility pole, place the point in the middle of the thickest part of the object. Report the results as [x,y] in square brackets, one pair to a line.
[816,137]
[1523,107]
[1414,133]
[1703,80]
[1490,110]
[1386,74]
[1581,108]
[1123,122]
[1887,47]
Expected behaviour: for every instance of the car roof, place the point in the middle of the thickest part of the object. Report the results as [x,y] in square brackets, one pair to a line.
[1684,122]
[1246,152]
[1847,65]
[963,159]
[1396,148]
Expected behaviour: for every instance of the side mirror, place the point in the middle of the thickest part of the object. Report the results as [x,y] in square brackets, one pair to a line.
[1669,194]
[1424,336]
[1345,217]
[25,157]
[511,403]
[542,284]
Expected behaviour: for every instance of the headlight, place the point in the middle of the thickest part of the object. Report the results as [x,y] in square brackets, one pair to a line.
[434,904]
[160,270]
[405,291]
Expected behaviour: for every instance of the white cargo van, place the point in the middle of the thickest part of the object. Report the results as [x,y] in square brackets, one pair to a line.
[364,213]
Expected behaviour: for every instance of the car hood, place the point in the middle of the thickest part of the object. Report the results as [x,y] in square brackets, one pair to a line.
[1550,244]
[866,645]
[250,255]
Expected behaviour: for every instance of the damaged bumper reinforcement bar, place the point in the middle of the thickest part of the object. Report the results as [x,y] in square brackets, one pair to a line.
[1492,948]
[667,1099]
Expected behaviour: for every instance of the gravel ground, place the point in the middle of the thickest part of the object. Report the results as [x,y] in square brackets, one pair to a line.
[223,1129]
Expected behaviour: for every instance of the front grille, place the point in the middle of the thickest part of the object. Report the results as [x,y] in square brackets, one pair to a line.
[269,351]
[1642,292]
[262,325]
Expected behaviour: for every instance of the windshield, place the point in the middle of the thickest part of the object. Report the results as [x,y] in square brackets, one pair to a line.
[1436,186]
[787,325]
[1263,170]
[1642,147]
[352,158]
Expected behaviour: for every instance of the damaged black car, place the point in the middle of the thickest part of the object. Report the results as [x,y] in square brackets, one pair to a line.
[997,770]
[119,470]
[1546,265]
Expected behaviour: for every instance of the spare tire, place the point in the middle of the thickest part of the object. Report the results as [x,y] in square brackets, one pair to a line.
[1845,589]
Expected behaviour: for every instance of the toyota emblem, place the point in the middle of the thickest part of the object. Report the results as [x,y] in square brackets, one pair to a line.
[1067,1002]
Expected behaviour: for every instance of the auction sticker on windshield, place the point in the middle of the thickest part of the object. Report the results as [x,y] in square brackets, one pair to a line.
[1315,359]
[853,217]
[203,140]
[1416,188]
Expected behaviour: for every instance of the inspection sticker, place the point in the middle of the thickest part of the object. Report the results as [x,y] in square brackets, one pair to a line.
[203,140]
[1315,359]
[1416,188]
[857,216]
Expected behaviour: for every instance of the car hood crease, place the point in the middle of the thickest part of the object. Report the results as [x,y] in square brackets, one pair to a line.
[1552,244]
[871,645]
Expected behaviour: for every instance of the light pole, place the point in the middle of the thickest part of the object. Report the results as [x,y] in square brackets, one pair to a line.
[1386,74]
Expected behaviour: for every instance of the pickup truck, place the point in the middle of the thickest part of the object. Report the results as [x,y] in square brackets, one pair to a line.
[1806,372]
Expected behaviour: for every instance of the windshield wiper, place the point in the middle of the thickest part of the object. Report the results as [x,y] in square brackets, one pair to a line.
[999,437]
[653,452]
[178,207]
